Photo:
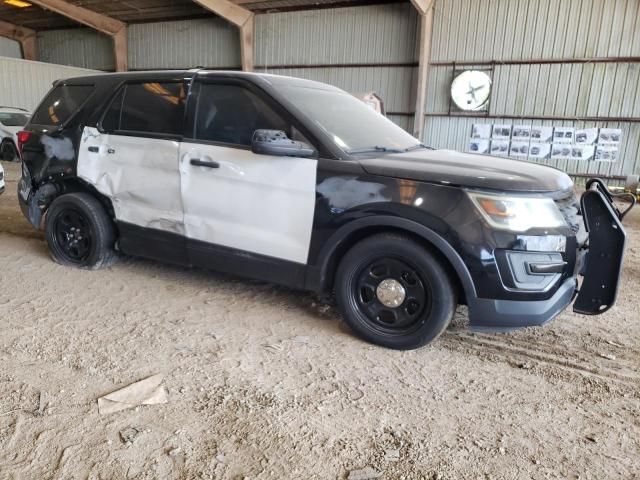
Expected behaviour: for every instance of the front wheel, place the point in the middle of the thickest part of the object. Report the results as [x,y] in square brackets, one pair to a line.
[79,232]
[393,292]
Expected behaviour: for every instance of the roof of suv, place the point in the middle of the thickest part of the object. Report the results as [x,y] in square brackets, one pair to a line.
[158,75]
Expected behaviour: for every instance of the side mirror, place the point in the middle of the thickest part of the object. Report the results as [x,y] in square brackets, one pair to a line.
[276,143]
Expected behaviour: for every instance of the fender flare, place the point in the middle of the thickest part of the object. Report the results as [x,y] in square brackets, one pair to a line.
[328,251]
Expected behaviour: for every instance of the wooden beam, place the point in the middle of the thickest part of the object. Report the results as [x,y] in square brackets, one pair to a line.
[243,19]
[116,29]
[423,6]
[25,36]
[247,34]
[227,10]
[97,21]
[121,50]
[424,54]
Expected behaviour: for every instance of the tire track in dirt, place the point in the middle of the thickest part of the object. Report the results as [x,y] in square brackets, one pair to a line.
[516,353]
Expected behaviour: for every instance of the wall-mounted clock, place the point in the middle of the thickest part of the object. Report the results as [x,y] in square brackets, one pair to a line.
[470,90]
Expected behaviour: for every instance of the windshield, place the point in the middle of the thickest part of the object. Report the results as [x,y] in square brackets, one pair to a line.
[353,126]
[13,119]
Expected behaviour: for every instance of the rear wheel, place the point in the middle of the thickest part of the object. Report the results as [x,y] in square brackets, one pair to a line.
[79,232]
[9,151]
[395,293]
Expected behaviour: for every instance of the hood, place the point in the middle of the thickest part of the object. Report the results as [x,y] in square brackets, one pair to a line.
[469,170]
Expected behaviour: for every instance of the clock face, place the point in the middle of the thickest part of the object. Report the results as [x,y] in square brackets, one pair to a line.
[470,90]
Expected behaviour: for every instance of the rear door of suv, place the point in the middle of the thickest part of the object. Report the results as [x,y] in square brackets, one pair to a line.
[132,158]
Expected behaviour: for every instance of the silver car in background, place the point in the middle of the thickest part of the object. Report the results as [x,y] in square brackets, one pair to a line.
[12,120]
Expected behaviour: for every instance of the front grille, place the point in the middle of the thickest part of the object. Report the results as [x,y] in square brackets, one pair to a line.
[1,175]
[570,209]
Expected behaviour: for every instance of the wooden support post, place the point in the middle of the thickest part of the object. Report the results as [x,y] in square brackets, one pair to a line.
[116,29]
[121,50]
[424,54]
[247,33]
[243,19]
[25,36]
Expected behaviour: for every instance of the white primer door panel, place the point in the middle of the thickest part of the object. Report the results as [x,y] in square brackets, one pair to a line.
[141,176]
[256,203]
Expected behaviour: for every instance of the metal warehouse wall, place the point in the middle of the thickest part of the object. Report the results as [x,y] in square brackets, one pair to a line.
[24,83]
[540,76]
[210,42]
[358,49]
[9,48]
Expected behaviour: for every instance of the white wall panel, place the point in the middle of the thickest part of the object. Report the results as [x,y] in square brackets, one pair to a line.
[24,83]
[9,48]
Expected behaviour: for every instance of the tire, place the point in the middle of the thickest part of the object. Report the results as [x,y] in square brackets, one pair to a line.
[79,232]
[8,151]
[393,292]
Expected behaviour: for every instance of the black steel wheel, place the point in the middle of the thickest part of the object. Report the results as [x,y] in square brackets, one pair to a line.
[393,292]
[79,232]
[9,151]
[73,235]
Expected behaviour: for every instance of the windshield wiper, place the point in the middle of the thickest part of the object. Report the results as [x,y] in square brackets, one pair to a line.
[375,148]
[418,147]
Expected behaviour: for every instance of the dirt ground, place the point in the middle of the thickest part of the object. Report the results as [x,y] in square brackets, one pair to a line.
[263,382]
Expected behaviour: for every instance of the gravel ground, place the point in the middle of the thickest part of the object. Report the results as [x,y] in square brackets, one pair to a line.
[263,382]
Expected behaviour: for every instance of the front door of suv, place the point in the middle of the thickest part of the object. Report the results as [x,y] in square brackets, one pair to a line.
[237,199]
[133,159]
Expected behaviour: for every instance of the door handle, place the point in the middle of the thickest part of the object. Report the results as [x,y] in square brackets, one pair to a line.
[94,149]
[547,268]
[200,163]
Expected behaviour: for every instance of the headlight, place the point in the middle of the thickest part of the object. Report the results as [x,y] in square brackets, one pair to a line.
[517,214]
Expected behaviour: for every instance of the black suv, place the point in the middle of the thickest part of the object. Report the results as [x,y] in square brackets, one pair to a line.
[299,183]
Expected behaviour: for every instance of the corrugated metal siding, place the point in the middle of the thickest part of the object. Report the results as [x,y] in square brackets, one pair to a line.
[454,133]
[10,48]
[504,30]
[372,34]
[208,42]
[566,90]
[184,44]
[380,35]
[24,83]
[393,84]
[485,30]
[79,47]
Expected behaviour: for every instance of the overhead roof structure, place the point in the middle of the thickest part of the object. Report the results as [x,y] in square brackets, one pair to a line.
[21,19]
[135,11]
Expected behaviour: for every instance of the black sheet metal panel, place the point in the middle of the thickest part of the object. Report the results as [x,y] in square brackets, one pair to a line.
[604,261]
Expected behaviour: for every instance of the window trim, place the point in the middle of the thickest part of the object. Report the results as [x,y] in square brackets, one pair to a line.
[277,107]
[77,111]
[122,87]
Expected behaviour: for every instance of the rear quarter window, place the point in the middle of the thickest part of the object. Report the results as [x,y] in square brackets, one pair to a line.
[60,104]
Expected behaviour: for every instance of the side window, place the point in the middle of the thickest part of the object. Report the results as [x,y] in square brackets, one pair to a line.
[150,108]
[60,104]
[111,120]
[231,113]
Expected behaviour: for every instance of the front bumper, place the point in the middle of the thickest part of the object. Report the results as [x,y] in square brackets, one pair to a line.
[505,315]
[601,271]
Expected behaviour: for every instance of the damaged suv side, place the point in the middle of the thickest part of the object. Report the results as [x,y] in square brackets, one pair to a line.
[299,183]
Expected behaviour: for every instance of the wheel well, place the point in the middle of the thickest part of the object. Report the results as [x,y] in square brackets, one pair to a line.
[75,185]
[361,234]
